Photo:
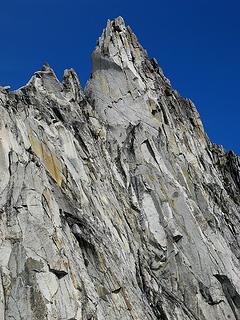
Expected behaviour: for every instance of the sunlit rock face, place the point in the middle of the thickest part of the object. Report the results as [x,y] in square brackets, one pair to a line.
[114,204]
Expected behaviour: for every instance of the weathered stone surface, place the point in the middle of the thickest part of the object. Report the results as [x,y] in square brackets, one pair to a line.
[114,204]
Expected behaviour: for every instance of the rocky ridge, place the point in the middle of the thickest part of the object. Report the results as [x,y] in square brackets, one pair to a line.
[114,204]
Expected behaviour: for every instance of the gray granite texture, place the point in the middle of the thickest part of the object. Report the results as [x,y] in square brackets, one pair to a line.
[114,204]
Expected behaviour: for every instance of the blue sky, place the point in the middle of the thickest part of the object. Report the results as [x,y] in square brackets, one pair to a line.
[197,44]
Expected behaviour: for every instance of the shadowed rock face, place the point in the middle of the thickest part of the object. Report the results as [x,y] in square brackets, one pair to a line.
[114,204]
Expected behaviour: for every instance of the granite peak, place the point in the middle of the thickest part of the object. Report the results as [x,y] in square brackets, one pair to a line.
[114,203]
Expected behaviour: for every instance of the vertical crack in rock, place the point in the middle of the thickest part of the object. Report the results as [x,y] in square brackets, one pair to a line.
[114,204]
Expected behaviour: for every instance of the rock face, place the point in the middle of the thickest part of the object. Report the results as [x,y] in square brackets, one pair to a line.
[114,204]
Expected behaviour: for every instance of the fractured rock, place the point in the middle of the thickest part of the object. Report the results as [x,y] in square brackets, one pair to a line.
[114,204]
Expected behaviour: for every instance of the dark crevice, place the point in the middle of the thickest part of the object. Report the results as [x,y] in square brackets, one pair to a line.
[58,273]
[150,149]
[57,113]
[116,291]
[161,312]
[230,293]
[205,292]
[154,112]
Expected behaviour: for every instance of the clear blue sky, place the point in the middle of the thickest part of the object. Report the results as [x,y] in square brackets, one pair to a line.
[197,44]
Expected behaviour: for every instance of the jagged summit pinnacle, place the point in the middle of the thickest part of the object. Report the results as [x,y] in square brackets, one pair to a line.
[125,82]
[120,44]
[46,67]
[118,24]
[118,41]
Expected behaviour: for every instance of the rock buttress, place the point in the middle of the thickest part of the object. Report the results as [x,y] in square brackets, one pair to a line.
[114,204]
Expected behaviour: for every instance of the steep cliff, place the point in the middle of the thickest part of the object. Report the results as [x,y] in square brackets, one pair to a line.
[114,204]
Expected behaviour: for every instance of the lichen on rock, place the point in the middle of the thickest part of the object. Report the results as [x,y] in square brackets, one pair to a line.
[114,204]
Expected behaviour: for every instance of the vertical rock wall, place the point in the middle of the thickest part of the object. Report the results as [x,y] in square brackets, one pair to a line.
[114,204]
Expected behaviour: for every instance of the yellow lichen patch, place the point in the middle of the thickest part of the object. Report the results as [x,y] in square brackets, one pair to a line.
[186,173]
[102,262]
[126,299]
[50,161]
[75,280]
[53,165]
[57,240]
[36,145]
[47,196]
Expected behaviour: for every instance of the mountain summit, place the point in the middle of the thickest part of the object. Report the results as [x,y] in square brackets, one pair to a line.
[114,204]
